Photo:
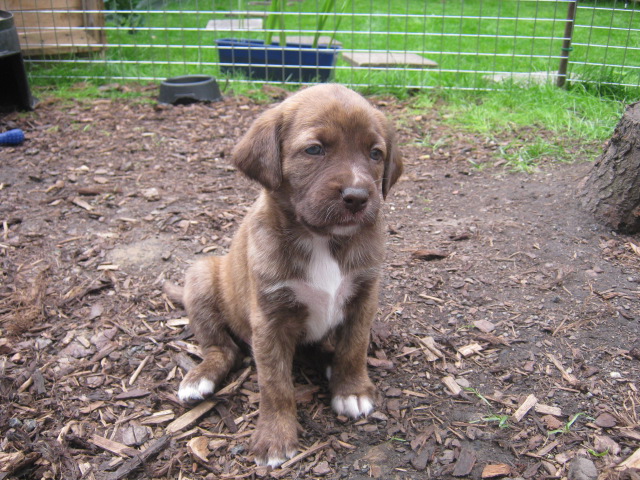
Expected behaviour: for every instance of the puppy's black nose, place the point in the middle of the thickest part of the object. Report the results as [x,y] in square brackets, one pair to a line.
[355,199]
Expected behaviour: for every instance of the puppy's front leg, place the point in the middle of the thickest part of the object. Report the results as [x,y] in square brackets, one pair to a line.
[351,389]
[276,437]
[202,298]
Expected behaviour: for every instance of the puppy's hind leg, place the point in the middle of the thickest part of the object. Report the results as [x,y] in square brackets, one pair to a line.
[220,353]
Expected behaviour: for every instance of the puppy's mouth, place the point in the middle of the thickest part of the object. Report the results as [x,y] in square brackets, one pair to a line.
[349,218]
[343,221]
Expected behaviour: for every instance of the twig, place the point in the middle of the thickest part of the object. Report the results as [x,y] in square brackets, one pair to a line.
[569,378]
[202,408]
[310,451]
[133,463]
[134,377]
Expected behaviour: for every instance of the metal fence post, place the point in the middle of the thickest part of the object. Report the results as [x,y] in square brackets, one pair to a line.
[566,43]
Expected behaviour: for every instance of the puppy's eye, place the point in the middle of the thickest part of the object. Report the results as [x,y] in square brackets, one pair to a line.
[315,150]
[376,154]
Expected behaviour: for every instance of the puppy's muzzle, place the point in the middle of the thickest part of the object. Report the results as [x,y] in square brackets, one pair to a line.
[355,199]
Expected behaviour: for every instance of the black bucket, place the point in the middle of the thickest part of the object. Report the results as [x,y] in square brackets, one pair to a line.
[14,87]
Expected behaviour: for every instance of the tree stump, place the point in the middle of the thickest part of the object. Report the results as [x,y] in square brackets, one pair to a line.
[611,192]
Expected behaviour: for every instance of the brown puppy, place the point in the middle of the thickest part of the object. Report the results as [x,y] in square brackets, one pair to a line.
[305,264]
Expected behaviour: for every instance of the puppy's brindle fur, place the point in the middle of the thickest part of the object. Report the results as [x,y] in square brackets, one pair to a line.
[304,267]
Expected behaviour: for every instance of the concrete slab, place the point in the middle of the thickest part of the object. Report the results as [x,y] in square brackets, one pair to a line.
[308,40]
[537,78]
[248,13]
[230,24]
[387,59]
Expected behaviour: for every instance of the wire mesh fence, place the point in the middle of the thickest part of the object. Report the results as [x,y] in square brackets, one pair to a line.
[391,43]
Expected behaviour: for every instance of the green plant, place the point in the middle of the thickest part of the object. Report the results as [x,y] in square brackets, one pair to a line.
[596,454]
[398,439]
[327,7]
[503,420]
[566,428]
[477,393]
[604,81]
[524,156]
[276,16]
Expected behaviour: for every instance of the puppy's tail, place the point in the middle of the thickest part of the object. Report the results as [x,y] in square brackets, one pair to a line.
[174,292]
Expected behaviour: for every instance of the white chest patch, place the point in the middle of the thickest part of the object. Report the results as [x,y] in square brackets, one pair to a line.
[324,292]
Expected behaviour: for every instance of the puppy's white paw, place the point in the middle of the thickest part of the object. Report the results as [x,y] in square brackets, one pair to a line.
[195,391]
[274,462]
[353,406]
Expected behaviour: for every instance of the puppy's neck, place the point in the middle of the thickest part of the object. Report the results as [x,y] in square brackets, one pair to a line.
[353,247]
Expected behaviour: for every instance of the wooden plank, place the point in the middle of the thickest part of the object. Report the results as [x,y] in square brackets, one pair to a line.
[452,385]
[375,58]
[548,410]
[48,5]
[470,349]
[523,409]
[113,447]
[94,20]
[497,470]
[631,462]
[191,416]
[63,26]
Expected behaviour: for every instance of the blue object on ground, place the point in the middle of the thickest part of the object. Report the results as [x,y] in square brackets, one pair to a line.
[12,137]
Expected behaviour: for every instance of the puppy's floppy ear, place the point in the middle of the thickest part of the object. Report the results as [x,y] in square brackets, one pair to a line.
[393,162]
[257,154]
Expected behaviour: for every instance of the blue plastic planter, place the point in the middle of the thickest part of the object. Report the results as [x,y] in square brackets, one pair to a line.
[293,62]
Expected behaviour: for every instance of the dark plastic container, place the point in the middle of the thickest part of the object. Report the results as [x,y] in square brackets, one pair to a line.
[293,62]
[189,89]
[14,86]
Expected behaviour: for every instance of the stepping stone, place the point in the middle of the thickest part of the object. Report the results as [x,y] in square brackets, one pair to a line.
[387,59]
[227,24]
[308,40]
[524,77]
[248,13]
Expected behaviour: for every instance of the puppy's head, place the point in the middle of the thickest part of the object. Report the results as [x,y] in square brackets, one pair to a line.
[326,152]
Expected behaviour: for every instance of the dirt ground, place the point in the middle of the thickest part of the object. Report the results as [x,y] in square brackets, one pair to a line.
[506,343]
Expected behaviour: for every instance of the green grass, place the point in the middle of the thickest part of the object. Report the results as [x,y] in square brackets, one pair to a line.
[469,48]
[539,123]
[574,112]
[542,122]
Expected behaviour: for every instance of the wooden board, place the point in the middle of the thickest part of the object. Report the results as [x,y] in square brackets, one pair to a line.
[63,26]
